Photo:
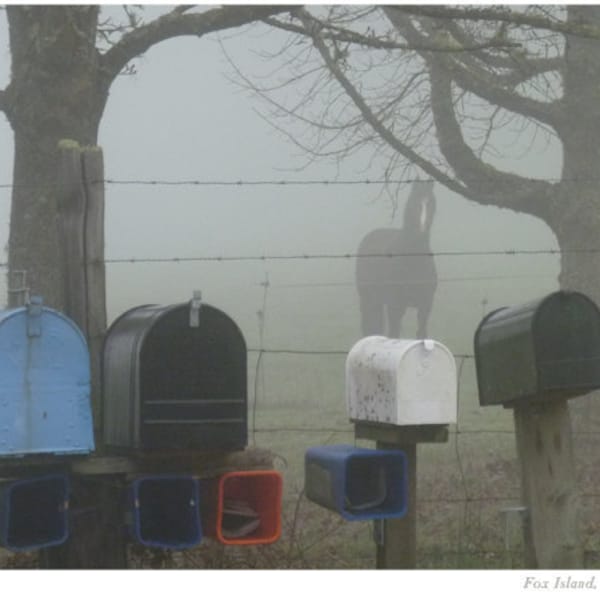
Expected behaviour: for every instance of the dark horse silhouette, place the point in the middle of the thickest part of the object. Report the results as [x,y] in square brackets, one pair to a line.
[398,282]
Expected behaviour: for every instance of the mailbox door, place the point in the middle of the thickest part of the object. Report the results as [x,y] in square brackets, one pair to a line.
[505,356]
[44,385]
[426,391]
[193,382]
[567,343]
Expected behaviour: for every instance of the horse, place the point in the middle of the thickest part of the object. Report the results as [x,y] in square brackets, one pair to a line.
[395,269]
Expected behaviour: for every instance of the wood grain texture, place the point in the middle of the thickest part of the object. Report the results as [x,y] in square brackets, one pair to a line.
[94,268]
[549,486]
[71,201]
[399,547]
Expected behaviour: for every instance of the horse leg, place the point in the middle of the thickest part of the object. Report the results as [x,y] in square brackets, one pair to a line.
[371,311]
[423,312]
[395,312]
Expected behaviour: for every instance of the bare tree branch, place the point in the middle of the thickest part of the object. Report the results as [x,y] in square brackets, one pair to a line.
[484,85]
[313,26]
[504,15]
[181,8]
[176,23]
[519,66]
[372,41]
[486,184]
[477,80]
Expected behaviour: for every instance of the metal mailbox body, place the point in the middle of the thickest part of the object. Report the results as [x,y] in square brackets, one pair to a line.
[546,349]
[401,382]
[170,383]
[44,384]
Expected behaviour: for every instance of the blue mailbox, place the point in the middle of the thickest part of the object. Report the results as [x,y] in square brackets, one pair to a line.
[359,483]
[44,384]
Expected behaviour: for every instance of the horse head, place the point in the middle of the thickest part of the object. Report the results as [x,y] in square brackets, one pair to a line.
[419,210]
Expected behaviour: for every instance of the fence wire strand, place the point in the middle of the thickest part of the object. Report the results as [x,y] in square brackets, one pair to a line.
[266,182]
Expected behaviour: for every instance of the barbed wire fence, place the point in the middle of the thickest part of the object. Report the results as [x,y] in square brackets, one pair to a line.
[464,520]
[442,494]
[282,182]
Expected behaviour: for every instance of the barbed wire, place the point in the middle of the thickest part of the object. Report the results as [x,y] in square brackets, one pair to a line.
[349,255]
[261,182]
[228,182]
[350,431]
[267,182]
[199,182]
[414,281]
[319,352]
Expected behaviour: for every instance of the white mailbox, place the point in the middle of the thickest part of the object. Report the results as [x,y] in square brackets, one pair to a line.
[401,382]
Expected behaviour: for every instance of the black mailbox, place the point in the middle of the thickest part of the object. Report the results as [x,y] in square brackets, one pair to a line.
[174,377]
[543,350]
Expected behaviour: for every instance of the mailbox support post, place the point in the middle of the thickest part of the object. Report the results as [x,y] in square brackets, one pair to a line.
[396,540]
[96,542]
[397,543]
[81,223]
[548,486]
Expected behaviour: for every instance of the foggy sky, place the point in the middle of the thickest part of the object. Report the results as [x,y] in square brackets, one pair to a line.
[180,118]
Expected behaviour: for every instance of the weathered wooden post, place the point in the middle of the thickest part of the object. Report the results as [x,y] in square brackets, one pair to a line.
[396,539]
[81,225]
[97,539]
[533,358]
[548,486]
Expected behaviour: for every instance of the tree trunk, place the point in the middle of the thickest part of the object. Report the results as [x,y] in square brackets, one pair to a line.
[575,216]
[57,92]
[53,50]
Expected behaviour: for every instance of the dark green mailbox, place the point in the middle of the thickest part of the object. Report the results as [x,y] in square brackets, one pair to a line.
[543,350]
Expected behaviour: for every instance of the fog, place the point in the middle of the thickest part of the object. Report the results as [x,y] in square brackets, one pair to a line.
[180,118]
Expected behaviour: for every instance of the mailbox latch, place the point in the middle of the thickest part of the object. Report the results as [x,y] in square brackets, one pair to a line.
[34,316]
[195,306]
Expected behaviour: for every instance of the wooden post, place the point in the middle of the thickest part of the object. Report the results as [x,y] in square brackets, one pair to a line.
[397,538]
[95,273]
[397,548]
[71,203]
[97,538]
[549,488]
[81,226]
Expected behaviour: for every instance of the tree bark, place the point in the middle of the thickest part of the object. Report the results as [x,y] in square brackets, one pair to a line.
[54,94]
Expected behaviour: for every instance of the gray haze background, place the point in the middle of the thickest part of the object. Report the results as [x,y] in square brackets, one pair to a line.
[180,118]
